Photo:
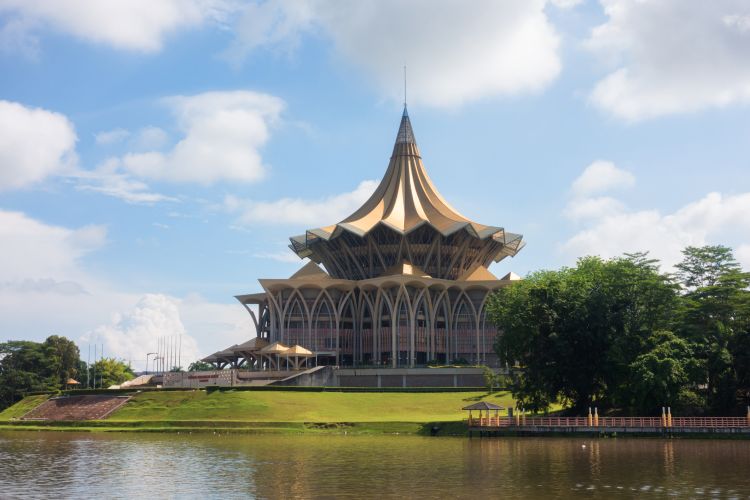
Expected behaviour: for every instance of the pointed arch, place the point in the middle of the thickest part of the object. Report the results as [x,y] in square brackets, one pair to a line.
[401,333]
[422,327]
[464,328]
[385,317]
[366,326]
[347,338]
[442,322]
[296,321]
[324,326]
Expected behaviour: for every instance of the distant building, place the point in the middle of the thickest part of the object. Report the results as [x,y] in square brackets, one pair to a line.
[405,280]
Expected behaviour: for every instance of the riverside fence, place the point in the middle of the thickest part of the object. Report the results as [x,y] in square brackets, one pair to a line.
[520,422]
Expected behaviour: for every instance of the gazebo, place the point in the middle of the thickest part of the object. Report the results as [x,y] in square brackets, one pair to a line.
[484,406]
[71,382]
[272,352]
[297,352]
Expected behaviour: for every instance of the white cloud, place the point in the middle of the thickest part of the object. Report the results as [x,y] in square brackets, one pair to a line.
[672,56]
[46,289]
[111,136]
[611,230]
[149,138]
[139,25]
[298,211]
[34,143]
[154,316]
[108,179]
[216,326]
[566,4]
[37,251]
[454,53]
[602,176]
[224,132]
[592,208]
[742,253]
[270,23]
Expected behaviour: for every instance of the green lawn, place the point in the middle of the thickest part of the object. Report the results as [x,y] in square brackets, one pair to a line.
[292,406]
[22,407]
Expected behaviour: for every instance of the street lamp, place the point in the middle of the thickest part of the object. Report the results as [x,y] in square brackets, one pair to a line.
[147,355]
[159,367]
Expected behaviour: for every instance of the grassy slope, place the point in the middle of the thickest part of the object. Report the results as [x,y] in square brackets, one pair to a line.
[274,411]
[22,407]
[279,406]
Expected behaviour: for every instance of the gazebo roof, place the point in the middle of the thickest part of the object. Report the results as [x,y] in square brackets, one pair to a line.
[297,351]
[483,405]
[275,348]
[72,381]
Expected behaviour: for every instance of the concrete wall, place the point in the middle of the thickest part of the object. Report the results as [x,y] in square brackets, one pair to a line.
[410,377]
[329,376]
[320,376]
[221,378]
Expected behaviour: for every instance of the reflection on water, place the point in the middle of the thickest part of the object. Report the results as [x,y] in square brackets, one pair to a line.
[278,466]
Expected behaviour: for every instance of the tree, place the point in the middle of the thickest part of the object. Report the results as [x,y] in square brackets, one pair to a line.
[110,371]
[705,266]
[662,371]
[574,333]
[63,358]
[715,317]
[27,366]
[200,366]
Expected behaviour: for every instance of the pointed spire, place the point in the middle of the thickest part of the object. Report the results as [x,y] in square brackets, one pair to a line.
[405,132]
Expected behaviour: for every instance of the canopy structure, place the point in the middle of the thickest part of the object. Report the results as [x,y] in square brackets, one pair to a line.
[405,220]
[483,405]
[275,348]
[484,408]
[272,352]
[299,353]
[72,381]
[223,358]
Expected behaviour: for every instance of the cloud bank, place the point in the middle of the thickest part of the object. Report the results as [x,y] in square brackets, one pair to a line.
[34,144]
[454,53]
[610,229]
[672,56]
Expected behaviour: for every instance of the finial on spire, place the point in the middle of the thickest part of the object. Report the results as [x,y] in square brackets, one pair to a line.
[404,86]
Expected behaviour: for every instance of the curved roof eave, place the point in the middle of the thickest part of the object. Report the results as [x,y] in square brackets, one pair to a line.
[405,200]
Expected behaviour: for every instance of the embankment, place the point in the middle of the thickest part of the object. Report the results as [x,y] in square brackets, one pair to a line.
[274,411]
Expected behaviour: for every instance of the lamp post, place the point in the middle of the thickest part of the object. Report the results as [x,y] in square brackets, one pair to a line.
[157,366]
[147,355]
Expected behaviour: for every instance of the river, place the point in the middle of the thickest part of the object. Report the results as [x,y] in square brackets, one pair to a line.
[128,465]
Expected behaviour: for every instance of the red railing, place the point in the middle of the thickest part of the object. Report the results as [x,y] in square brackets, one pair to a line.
[642,422]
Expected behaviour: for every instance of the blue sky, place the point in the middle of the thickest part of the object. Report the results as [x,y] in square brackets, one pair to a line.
[156,156]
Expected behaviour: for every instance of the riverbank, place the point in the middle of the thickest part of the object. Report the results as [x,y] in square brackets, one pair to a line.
[289,412]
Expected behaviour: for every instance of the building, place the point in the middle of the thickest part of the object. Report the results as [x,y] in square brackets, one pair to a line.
[403,283]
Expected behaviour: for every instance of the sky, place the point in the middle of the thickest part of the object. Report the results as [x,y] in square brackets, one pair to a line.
[155,156]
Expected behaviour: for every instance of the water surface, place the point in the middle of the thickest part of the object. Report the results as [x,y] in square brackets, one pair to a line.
[122,465]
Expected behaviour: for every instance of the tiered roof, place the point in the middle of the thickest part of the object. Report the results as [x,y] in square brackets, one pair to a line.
[405,200]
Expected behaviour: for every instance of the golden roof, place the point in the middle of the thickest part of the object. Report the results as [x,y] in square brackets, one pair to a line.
[405,268]
[481,273]
[297,351]
[253,344]
[310,271]
[405,200]
[275,348]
